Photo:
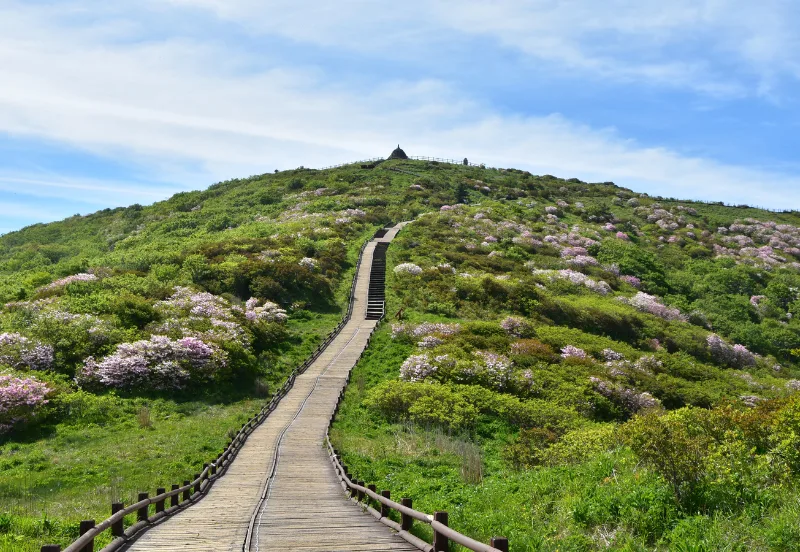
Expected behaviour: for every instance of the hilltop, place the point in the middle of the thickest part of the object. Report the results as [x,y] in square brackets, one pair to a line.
[549,344]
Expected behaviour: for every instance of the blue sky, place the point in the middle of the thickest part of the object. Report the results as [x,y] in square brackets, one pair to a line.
[105,104]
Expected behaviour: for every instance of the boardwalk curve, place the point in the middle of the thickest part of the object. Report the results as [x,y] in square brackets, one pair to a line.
[281,492]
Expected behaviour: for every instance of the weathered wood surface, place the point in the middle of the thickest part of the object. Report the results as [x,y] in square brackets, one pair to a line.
[305,508]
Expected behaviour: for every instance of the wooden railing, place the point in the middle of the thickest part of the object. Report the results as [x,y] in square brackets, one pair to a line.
[362,493]
[411,157]
[182,496]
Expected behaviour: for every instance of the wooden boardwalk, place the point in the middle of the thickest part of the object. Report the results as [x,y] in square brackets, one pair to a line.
[281,492]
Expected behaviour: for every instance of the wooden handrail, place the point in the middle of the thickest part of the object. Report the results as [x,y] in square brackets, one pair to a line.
[205,479]
[438,527]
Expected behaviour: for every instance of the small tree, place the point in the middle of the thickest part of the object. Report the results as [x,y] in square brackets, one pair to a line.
[675,445]
[462,194]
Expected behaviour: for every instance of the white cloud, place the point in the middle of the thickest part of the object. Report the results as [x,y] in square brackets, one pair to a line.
[726,48]
[175,106]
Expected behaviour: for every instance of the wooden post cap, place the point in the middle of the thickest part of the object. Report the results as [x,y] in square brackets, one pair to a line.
[501,543]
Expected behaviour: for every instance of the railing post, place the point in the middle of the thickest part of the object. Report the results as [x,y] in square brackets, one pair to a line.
[141,513]
[197,485]
[160,503]
[360,493]
[405,520]
[205,469]
[384,508]
[51,548]
[440,543]
[173,500]
[85,527]
[501,543]
[186,492]
[372,488]
[117,528]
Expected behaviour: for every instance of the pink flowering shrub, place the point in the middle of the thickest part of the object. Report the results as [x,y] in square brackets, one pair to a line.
[576,278]
[19,398]
[570,351]
[630,400]
[21,353]
[496,368]
[651,304]
[622,236]
[632,281]
[429,342]
[573,251]
[408,268]
[63,282]
[736,356]
[426,328]
[309,263]
[583,260]
[515,326]
[416,368]
[157,364]
[189,313]
[268,312]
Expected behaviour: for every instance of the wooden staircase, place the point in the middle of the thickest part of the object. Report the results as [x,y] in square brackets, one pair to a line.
[376,297]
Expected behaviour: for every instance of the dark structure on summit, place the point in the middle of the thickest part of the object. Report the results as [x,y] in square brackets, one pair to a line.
[398,154]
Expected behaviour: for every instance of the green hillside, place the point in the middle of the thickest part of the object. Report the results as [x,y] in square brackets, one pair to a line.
[571,364]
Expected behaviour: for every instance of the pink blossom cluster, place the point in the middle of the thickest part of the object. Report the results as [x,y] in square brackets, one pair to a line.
[514,325]
[622,236]
[611,355]
[632,281]
[722,352]
[429,342]
[583,260]
[187,302]
[309,263]
[551,210]
[574,251]
[755,300]
[416,368]
[629,399]
[577,278]
[408,268]
[571,351]
[158,363]
[426,328]
[268,312]
[498,368]
[793,384]
[202,315]
[63,282]
[651,304]
[19,397]
[20,352]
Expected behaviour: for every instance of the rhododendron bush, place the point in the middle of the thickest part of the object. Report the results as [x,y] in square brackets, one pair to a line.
[19,398]
[20,352]
[158,363]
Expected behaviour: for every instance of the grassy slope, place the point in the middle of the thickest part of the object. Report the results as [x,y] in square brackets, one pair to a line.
[66,468]
[605,499]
